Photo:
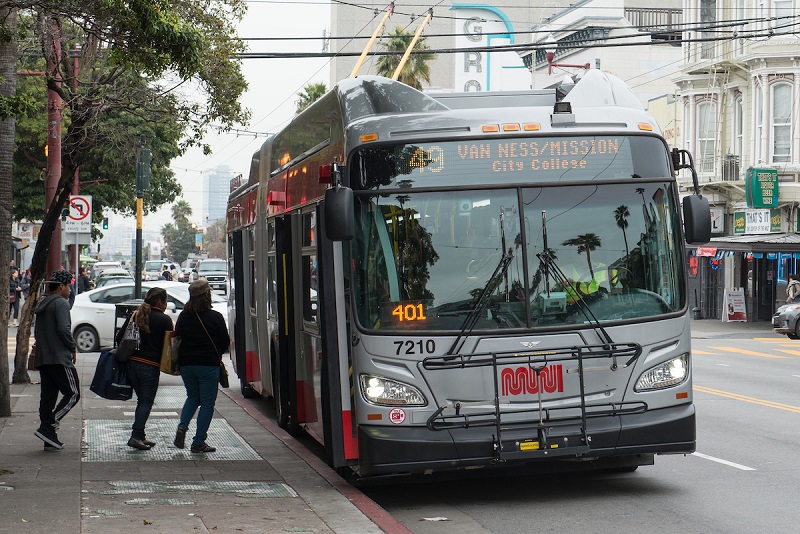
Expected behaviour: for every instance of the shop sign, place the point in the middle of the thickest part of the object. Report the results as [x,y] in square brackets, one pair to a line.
[762,188]
[756,222]
[735,309]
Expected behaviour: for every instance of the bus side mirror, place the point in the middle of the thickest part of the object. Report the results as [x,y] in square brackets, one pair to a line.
[339,213]
[696,219]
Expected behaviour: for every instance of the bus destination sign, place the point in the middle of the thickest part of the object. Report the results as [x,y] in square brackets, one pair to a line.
[506,155]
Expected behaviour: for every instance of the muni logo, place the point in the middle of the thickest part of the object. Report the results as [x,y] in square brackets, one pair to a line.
[522,380]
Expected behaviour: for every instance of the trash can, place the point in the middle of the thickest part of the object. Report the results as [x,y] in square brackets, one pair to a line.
[124,309]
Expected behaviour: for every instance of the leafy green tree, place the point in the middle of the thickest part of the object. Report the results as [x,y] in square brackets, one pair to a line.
[416,70]
[311,93]
[148,64]
[179,236]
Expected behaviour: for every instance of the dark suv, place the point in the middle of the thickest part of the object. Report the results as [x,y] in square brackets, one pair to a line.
[215,272]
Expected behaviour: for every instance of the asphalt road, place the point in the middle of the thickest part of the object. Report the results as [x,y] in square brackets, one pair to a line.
[743,477]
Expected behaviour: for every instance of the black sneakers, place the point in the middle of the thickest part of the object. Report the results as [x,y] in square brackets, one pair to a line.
[202,448]
[47,434]
[180,437]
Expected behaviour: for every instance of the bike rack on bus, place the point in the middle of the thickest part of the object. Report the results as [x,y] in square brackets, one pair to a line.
[558,430]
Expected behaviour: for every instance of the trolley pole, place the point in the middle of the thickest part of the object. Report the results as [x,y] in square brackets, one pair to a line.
[142,185]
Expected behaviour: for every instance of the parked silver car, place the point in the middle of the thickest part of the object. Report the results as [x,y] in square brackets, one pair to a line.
[785,321]
[94,312]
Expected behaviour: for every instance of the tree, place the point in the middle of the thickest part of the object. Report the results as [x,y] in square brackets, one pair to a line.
[179,236]
[416,68]
[143,63]
[311,93]
[585,243]
[8,52]
[621,215]
[214,239]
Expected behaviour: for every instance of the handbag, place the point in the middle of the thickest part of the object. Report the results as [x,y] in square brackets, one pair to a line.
[111,378]
[224,381]
[130,341]
[12,299]
[169,364]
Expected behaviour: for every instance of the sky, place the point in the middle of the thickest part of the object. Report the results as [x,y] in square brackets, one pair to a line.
[273,88]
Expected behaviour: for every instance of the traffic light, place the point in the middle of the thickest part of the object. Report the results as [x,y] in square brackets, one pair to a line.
[105,223]
[64,213]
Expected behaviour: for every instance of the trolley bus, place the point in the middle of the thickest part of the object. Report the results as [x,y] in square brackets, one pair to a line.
[427,283]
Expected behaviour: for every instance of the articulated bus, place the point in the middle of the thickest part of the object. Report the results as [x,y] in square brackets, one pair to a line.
[427,283]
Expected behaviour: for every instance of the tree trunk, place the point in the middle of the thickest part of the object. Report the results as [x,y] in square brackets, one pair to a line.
[8,72]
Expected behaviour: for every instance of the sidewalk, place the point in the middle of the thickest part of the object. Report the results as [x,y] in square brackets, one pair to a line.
[714,328]
[259,480]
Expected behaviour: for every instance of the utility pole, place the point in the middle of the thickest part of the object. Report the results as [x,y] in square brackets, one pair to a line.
[76,182]
[54,105]
[142,185]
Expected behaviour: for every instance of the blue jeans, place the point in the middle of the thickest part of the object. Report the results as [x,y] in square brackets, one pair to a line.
[201,390]
[144,380]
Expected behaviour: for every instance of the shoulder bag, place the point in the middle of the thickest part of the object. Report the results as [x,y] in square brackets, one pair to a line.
[111,378]
[224,381]
[130,341]
[169,364]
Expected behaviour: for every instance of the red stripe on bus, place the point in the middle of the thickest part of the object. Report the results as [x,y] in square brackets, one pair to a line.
[350,436]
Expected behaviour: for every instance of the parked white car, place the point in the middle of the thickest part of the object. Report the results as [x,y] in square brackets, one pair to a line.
[94,312]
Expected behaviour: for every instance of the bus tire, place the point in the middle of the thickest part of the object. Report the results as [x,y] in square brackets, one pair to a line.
[248,391]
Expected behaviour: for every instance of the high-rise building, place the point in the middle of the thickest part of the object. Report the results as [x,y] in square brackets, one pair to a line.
[217,187]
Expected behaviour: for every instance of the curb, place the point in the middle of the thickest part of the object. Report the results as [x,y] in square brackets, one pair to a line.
[367,506]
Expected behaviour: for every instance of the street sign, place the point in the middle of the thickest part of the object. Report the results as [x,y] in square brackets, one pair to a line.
[80,215]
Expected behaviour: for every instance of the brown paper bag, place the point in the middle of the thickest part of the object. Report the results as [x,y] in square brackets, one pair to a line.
[167,365]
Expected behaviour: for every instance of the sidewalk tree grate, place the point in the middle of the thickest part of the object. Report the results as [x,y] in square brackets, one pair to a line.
[106,440]
[237,487]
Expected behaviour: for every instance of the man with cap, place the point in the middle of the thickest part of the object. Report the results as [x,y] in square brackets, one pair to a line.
[55,358]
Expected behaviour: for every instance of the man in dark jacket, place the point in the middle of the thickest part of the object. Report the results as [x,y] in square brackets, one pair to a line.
[55,358]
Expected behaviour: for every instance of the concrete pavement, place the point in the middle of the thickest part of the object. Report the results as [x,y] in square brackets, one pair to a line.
[259,480]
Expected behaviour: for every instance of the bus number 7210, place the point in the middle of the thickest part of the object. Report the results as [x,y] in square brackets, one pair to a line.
[420,346]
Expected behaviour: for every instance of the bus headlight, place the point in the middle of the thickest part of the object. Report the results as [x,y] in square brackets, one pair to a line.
[387,392]
[664,375]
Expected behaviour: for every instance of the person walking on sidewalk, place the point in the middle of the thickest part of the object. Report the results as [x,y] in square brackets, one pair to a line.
[14,296]
[793,289]
[144,365]
[204,338]
[55,359]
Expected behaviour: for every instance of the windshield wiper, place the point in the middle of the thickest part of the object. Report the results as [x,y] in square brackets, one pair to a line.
[483,299]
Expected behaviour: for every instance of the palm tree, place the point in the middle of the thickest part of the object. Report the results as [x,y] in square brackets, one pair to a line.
[585,243]
[621,214]
[311,93]
[181,211]
[416,68]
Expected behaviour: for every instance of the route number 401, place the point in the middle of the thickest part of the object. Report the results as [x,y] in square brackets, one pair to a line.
[420,346]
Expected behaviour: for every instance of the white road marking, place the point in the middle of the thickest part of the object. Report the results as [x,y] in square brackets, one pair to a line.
[723,365]
[724,462]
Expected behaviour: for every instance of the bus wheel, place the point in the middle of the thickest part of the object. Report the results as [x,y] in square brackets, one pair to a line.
[248,391]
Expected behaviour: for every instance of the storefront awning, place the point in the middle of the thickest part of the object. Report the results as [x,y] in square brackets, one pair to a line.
[785,242]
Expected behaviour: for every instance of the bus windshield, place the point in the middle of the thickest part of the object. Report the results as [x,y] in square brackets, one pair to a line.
[423,260]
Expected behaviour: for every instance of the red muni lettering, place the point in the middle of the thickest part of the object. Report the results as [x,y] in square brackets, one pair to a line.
[522,380]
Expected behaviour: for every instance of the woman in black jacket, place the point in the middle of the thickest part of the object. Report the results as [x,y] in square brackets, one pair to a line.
[204,338]
[144,367]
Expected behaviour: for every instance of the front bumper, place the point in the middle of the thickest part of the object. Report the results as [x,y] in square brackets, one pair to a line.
[385,450]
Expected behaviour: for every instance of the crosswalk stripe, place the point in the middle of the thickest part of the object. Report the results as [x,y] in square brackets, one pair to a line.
[695,351]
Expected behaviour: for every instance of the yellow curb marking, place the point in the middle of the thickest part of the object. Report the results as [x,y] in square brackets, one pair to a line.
[750,352]
[745,398]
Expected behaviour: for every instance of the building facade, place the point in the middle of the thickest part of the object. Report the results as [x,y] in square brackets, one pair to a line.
[738,96]
[215,197]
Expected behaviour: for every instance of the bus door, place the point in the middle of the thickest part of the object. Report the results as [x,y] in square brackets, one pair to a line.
[283,362]
[236,314]
[308,346]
